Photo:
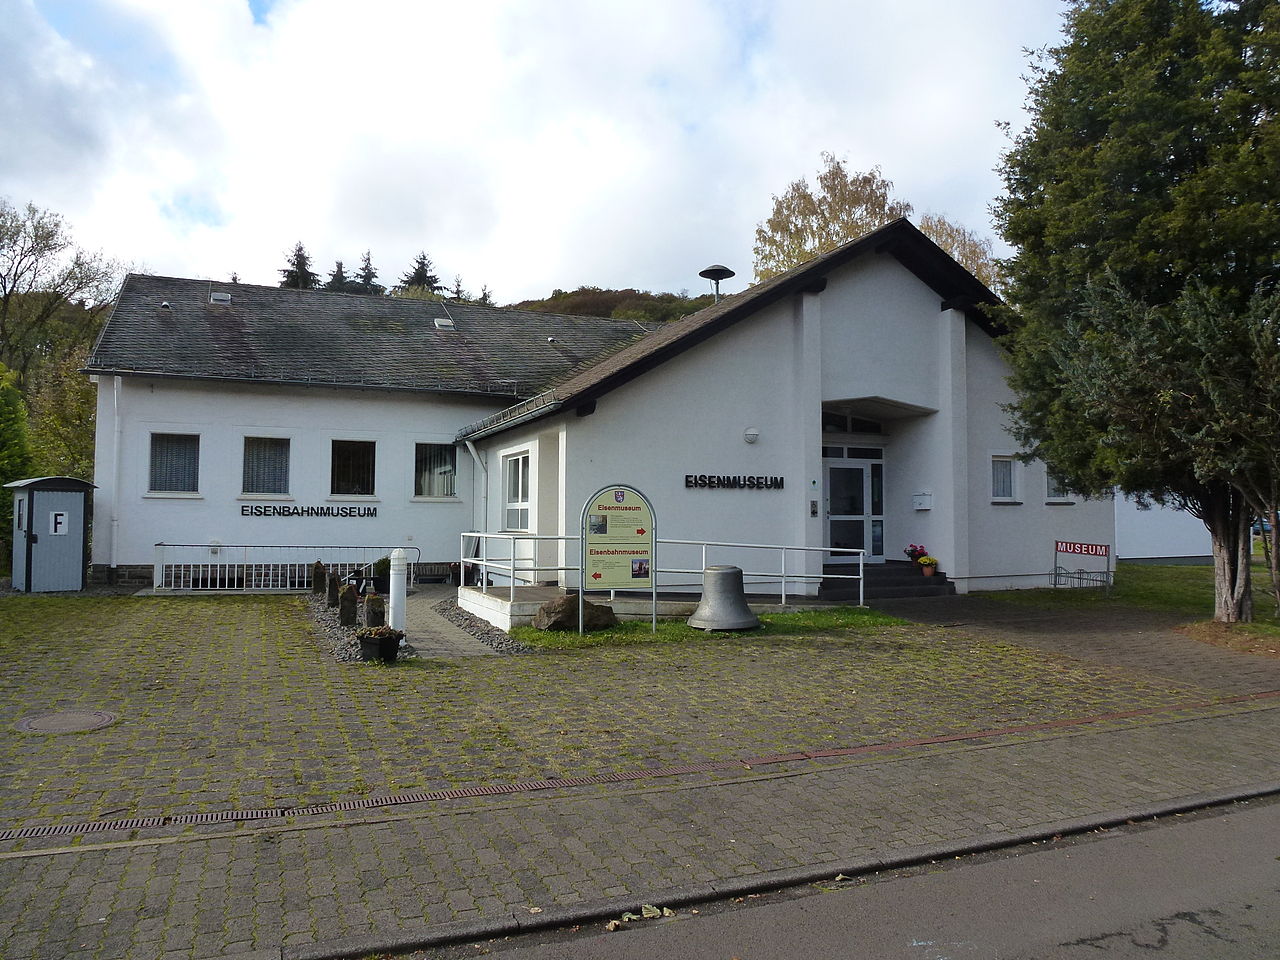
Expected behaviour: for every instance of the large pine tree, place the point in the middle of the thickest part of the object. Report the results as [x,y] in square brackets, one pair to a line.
[1148,168]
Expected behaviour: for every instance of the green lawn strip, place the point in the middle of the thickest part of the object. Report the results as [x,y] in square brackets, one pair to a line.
[230,701]
[1183,590]
[800,623]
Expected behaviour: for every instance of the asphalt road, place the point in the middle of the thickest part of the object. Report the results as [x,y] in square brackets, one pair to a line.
[1201,887]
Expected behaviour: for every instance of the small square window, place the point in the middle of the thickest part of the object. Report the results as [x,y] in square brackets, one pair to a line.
[1054,491]
[434,469]
[175,463]
[266,465]
[351,472]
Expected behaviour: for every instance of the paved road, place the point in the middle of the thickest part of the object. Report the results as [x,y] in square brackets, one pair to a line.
[1185,888]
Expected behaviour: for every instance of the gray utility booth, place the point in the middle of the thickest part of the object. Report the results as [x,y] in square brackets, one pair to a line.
[50,533]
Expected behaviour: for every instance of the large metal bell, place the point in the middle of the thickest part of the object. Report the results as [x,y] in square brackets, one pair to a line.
[724,604]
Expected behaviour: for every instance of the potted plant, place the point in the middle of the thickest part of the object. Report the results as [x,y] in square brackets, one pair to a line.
[928,565]
[915,551]
[379,643]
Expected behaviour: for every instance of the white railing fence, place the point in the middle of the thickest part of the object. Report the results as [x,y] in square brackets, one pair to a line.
[519,559]
[246,567]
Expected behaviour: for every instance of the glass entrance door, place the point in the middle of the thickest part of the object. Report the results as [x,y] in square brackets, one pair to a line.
[855,509]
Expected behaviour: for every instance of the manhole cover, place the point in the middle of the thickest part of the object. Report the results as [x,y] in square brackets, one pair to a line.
[67,721]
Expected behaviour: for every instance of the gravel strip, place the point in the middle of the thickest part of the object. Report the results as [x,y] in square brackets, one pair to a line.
[338,641]
[482,630]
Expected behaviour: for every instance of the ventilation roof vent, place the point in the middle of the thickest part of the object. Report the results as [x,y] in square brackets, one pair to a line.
[444,323]
[219,297]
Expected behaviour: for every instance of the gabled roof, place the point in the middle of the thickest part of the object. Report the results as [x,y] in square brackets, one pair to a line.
[331,339]
[955,286]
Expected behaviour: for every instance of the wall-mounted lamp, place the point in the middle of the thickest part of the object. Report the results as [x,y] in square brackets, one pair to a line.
[751,435]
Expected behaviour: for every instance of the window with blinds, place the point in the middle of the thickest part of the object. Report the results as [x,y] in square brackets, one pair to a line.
[352,468]
[175,463]
[434,468]
[266,465]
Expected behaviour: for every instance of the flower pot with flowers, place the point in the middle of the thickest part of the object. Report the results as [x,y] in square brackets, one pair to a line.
[928,565]
[915,551]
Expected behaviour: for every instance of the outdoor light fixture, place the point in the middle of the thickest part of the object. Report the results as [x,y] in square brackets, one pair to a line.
[751,435]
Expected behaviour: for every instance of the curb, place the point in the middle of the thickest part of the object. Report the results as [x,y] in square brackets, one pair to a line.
[464,931]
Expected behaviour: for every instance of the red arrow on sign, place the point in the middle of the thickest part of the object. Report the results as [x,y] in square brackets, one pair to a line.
[596,575]
[640,531]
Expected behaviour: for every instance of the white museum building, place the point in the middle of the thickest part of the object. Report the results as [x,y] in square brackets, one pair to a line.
[853,401]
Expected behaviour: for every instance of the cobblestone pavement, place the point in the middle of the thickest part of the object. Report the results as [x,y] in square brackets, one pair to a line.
[431,634]
[205,890]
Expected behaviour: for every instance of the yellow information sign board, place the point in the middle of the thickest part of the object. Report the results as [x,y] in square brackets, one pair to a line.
[617,540]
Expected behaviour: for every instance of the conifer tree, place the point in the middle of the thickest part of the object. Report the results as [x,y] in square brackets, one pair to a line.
[367,277]
[420,275]
[338,281]
[1144,183]
[298,274]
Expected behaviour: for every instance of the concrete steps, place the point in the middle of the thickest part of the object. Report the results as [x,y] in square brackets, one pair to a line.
[886,581]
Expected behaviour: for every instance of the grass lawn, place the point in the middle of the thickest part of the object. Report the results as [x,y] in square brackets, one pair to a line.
[803,623]
[230,702]
[1185,591]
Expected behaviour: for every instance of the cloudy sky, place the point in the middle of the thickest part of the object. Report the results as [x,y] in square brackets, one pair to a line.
[524,144]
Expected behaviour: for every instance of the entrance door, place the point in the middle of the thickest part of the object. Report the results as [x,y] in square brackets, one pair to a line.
[855,509]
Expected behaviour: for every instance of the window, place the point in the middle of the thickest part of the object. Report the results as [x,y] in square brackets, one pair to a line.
[266,465]
[1002,478]
[434,467]
[515,479]
[1055,492]
[352,469]
[175,463]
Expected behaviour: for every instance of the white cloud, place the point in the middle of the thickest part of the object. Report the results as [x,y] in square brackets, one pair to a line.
[523,145]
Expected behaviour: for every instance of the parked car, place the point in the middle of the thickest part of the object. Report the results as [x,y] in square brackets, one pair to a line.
[1260,525]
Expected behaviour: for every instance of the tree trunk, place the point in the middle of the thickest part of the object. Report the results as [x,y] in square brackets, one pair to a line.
[1227,516]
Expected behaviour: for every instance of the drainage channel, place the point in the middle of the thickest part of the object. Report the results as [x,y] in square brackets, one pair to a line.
[643,773]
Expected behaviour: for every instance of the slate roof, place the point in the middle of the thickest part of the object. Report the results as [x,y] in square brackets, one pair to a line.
[956,288]
[309,337]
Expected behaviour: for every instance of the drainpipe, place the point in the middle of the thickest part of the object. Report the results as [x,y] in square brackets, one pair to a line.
[115,475]
[484,487]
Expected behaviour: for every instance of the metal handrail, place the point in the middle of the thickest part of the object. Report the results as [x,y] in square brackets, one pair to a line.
[512,565]
[234,566]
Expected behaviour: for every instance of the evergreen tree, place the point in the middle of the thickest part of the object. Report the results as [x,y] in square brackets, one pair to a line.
[486,296]
[366,278]
[1149,167]
[298,274]
[420,276]
[457,291]
[338,281]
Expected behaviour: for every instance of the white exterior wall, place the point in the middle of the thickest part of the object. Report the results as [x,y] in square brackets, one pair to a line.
[687,416]
[1159,532]
[885,339]
[1009,540]
[877,335]
[223,415]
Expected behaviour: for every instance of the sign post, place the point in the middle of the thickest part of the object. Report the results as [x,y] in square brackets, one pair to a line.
[618,545]
[1080,577]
